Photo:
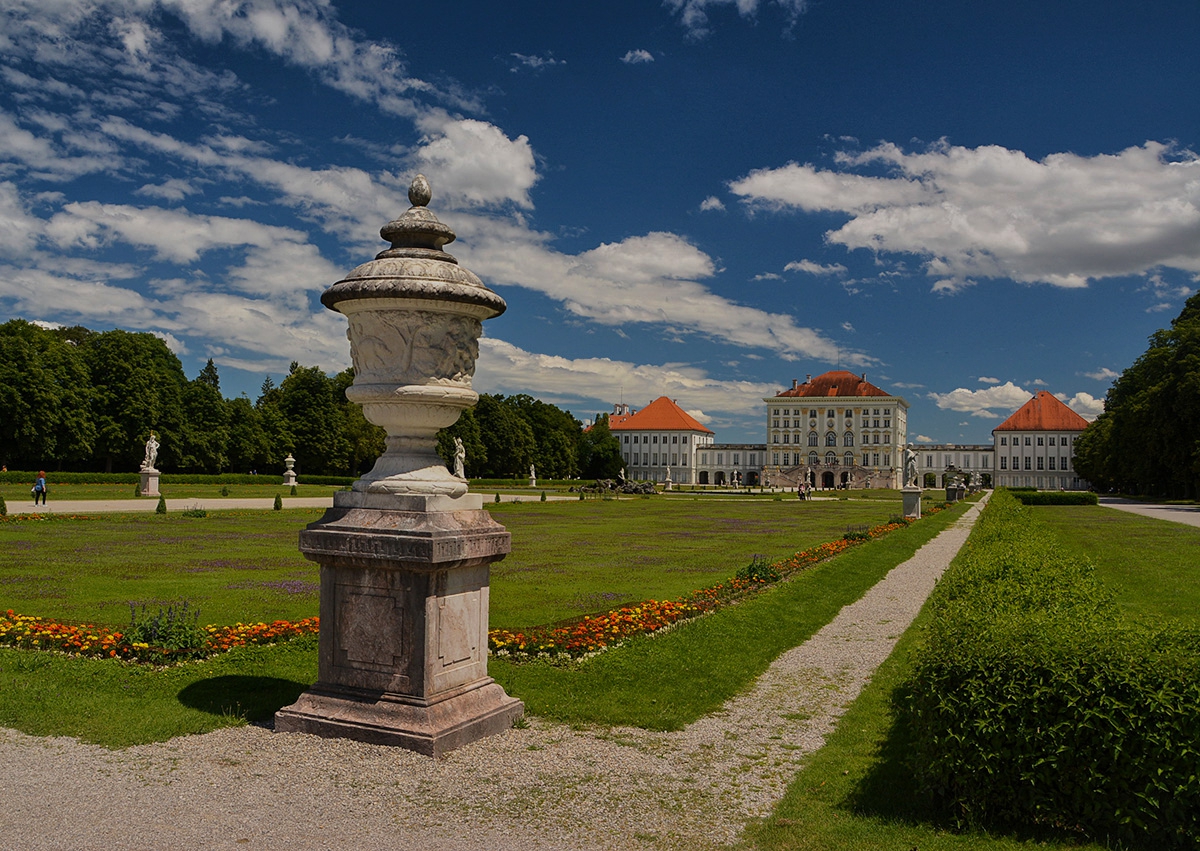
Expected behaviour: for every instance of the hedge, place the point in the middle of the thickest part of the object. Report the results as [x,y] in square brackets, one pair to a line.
[17,477]
[1034,702]
[1057,497]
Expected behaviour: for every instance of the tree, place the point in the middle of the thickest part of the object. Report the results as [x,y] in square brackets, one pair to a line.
[556,433]
[248,447]
[45,390]
[506,435]
[599,451]
[366,440]
[314,420]
[205,446]
[1147,440]
[138,386]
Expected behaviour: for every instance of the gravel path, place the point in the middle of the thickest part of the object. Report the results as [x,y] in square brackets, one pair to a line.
[1189,514]
[545,787]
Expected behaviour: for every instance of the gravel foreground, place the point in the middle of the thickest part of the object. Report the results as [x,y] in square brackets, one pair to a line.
[544,787]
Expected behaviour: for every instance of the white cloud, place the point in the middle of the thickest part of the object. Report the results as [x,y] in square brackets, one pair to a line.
[813,268]
[848,327]
[984,403]
[991,212]
[474,161]
[637,57]
[1038,382]
[505,368]
[987,379]
[693,14]
[169,190]
[712,202]
[1103,374]
[1084,404]
[767,276]
[921,438]
[534,63]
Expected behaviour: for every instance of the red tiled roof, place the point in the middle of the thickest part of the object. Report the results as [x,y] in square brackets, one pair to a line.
[839,382]
[660,415]
[1043,413]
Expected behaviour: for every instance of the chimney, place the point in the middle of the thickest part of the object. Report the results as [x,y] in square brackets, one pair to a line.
[864,376]
[793,384]
[808,378]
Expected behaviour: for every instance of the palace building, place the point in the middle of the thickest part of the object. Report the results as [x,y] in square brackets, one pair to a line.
[659,441]
[1035,447]
[836,430]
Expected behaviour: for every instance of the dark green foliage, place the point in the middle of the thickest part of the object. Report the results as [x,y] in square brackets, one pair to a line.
[293,493]
[278,506]
[466,429]
[3,507]
[193,512]
[507,437]
[543,496]
[759,569]
[314,416]
[161,508]
[599,451]
[175,631]
[1033,702]
[1146,440]
[1057,497]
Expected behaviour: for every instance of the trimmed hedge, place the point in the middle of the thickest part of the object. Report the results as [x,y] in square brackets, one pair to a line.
[1034,702]
[19,477]
[1057,497]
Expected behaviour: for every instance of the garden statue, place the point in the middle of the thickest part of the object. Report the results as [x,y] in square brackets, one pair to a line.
[151,453]
[910,466]
[460,458]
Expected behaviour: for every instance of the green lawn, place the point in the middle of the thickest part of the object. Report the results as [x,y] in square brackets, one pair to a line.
[18,495]
[1153,566]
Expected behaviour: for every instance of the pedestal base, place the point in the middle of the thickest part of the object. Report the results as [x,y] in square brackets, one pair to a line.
[392,719]
[912,502]
[289,479]
[149,483]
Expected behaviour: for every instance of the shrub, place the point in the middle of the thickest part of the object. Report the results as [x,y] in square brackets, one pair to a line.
[293,490]
[497,500]
[175,631]
[224,491]
[137,489]
[194,512]
[1034,702]
[1034,497]
[543,496]
[760,570]
[278,506]
[3,507]
[161,508]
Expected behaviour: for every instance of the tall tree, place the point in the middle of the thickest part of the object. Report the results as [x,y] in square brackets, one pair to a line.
[599,451]
[1146,441]
[365,439]
[248,447]
[506,436]
[205,445]
[466,429]
[556,433]
[315,420]
[138,386]
[45,390]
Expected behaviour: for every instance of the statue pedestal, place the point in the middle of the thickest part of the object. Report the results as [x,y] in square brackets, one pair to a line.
[404,622]
[912,502]
[149,483]
[289,479]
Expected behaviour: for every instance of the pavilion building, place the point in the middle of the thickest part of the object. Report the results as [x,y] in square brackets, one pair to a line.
[660,437]
[1035,447]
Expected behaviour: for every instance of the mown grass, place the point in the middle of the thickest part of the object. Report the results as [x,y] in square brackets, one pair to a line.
[18,496]
[574,558]
[1153,566]
[665,682]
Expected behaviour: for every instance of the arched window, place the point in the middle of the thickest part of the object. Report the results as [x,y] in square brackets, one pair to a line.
[812,459]
[848,459]
[847,439]
[830,439]
[830,458]
[812,438]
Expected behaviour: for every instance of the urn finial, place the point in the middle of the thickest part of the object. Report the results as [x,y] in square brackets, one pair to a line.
[419,193]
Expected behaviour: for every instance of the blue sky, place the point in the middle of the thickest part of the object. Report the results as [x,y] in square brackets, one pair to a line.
[692,198]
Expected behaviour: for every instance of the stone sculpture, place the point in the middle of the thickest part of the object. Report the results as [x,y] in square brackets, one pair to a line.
[460,458]
[151,453]
[910,466]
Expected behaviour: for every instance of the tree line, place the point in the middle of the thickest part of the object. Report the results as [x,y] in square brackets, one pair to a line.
[1147,441]
[83,400]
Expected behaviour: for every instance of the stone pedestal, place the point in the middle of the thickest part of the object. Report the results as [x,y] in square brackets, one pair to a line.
[289,478]
[404,621]
[149,483]
[912,502]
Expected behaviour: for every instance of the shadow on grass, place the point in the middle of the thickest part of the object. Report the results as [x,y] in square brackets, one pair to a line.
[252,698]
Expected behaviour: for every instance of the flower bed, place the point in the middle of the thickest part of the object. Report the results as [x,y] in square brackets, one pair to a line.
[590,634]
[594,633]
[33,633]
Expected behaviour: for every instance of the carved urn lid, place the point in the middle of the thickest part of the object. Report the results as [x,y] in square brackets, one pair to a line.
[415,266]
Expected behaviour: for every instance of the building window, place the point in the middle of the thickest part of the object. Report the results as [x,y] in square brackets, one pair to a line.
[683,439]
[887,460]
[704,458]
[654,463]
[775,458]
[887,412]
[736,462]
[887,423]
[985,461]
[1051,440]
[626,438]
[866,460]
[928,460]
[830,439]
[674,438]
[720,458]
[787,423]
[1004,441]
[1003,463]
[1026,441]
[1028,462]
[875,438]
[787,438]
[674,460]
[875,459]
[1051,460]
[849,459]
[812,438]
[774,423]
[1041,441]
[1041,465]
[684,457]
[875,412]
[751,459]
[656,438]
[847,439]
[635,438]
[787,459]
[876,424]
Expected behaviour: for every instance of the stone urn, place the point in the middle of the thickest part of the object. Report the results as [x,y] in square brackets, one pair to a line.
[415,318]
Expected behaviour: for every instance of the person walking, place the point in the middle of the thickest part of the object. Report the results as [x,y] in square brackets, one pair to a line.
[39,488]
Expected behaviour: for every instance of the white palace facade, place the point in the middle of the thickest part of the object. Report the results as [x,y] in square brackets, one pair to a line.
[838,430]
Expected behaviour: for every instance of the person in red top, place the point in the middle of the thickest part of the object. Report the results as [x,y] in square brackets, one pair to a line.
[39,488]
